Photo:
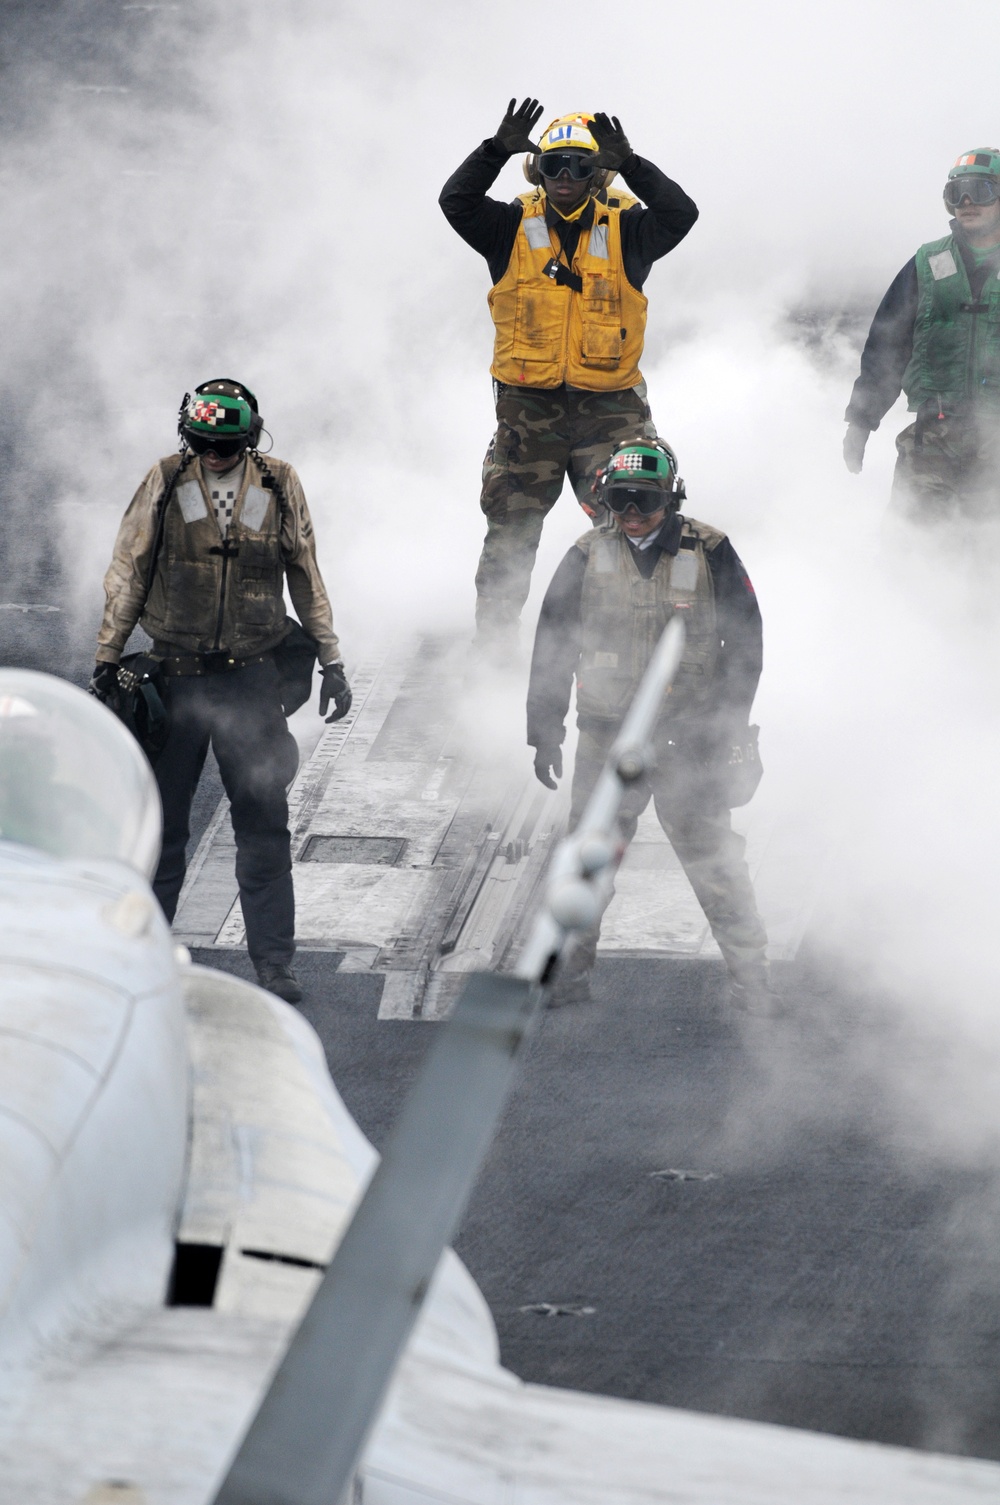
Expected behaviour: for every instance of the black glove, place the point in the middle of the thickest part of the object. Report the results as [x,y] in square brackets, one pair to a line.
[854,447]
[546,758]
[514,133]
[613,144]
[104,685]
[335,688]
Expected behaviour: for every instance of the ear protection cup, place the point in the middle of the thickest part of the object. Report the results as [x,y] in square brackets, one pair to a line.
[678,491]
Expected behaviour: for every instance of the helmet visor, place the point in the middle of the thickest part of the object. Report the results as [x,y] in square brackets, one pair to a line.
[219,444]
[971,186]
[579,165]
[645,499]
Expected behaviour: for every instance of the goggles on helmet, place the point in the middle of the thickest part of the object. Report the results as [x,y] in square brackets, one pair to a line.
[645,499]
[223,447]
[972,186]
[579,165]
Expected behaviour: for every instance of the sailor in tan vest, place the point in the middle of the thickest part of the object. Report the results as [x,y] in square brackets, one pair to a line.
[568,262]
[202,558]
[602,616]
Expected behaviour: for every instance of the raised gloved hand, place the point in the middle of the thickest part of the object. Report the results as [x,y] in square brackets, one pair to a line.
[854,447]
[613,145]
[104,685]
[335,688]
[514,132]
[548,764]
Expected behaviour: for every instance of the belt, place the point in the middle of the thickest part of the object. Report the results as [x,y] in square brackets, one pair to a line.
[206,663]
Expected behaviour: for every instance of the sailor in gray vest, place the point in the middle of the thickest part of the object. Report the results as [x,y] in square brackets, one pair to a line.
[936,337]
[601,619]
[202,558]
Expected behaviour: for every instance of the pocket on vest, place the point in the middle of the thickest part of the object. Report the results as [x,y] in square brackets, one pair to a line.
[604,691]
[189,599]
[601,346]
[259,602]
[600,307]
[535,332]
[600,296]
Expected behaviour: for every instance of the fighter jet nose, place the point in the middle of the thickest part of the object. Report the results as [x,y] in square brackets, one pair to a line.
[73,782]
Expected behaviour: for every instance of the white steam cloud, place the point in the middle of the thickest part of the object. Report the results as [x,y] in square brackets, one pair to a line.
[252,192]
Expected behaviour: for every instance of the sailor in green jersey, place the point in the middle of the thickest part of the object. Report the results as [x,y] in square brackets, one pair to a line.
[936,337]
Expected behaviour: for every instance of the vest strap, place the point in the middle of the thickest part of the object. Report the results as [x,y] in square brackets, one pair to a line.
[562,275]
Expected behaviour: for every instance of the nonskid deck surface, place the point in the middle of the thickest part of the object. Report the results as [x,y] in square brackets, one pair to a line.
[420,839]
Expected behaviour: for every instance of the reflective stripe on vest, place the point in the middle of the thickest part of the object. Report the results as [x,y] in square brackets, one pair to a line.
[548,333]
[537,232]
[623,616]
[598,246]
[956,338]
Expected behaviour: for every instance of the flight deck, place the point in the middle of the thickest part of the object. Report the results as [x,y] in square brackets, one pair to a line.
[419,857]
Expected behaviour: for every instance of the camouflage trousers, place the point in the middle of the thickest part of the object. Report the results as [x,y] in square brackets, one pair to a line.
[541,438]
[948,469]
[699,828]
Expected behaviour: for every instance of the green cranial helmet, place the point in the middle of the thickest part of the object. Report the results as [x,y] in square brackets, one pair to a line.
[221,417]
[984,161]
[975,176]
[642,464]
[217,416]
[642,473]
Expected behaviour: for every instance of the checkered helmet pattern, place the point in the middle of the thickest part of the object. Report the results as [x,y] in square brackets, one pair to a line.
[218,414]
[982,162]
[642,464]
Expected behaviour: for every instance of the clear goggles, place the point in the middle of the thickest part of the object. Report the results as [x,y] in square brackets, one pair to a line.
[223,445]
[976,189]
[645,499]
[579,165]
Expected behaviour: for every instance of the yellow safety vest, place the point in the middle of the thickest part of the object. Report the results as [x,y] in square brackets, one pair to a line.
[547,334]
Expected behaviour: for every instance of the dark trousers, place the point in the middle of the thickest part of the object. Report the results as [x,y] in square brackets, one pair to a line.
[699,828]
[240,715]
[948,470]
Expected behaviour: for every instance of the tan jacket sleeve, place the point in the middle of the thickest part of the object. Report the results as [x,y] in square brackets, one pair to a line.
[305,583]
[125,581]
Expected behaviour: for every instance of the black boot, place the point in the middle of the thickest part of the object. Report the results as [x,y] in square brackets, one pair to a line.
[279,979]
[753,992]
[568,988]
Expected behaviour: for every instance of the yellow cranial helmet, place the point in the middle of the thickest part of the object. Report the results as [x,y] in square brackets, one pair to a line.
[569,133]
[568,140]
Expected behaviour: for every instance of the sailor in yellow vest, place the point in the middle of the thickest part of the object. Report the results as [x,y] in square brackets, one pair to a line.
[568,261]
[601,619]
